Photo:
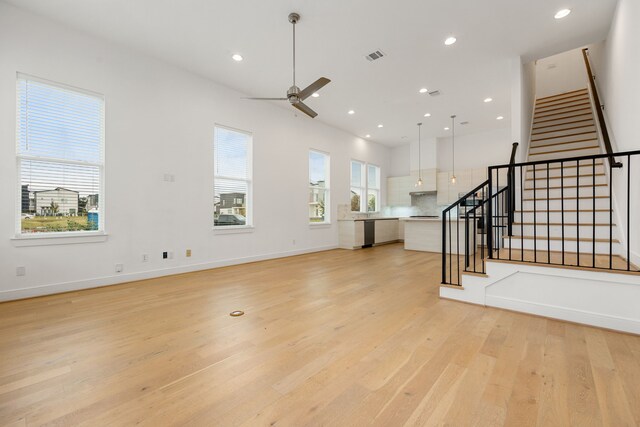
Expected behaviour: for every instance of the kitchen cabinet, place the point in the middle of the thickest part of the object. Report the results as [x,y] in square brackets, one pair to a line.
[466,180]
[399,187]
[351,233]
[386,231]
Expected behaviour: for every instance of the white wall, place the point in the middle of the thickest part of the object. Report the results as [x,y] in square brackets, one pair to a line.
[400,160]
[476,150]
[160,119]
[561,73]
[528,99]
[617,69]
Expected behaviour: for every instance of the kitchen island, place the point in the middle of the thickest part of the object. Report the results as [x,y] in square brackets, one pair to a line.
[425,234]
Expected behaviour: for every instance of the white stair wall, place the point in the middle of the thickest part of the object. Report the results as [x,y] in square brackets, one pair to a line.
[598,298]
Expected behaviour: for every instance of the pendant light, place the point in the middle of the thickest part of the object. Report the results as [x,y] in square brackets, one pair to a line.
[453,147]
[419,183]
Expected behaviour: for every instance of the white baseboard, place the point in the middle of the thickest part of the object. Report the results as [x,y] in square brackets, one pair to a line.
[565,313]
[56,288]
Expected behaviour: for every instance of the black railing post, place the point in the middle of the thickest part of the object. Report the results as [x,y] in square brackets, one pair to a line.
[490,215]
[444,247]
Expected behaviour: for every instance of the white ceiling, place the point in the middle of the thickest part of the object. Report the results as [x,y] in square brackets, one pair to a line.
[333,37]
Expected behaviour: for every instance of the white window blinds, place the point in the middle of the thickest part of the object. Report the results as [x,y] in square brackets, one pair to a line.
[60,138]
[232,177]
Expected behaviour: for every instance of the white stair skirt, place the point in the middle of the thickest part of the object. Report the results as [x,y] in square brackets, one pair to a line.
[593,297]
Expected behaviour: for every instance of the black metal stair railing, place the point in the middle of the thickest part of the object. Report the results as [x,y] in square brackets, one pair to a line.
[549,212]
[486,216]
[584,229]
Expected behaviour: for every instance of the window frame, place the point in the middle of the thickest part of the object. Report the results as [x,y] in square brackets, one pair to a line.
[249,182]
[53,237]
[377,189]
[364,194]
[326,189]
[362,188]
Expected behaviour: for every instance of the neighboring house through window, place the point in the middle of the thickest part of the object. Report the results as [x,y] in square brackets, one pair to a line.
[365,187]
[232,178]
[319,200]
[60,157]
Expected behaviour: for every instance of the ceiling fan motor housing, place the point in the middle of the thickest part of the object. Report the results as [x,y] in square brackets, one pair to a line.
[293,94]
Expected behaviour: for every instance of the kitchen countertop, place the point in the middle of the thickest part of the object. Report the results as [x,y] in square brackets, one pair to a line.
[370,219]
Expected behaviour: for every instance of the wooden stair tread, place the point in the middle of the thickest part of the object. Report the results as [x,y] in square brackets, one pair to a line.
[590,119]
[564,177]
[565,112]
[558,187]
[560,210]
[570,93]
[598,163]
[584,267]
[564,150]
[564,198]
[562,143]
[569,239]
[584,105]
[580,99]
[569,224]
[564,136]
[563,118]
[562,130]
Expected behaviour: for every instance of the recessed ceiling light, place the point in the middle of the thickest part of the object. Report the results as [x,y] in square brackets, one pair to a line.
[446,128]
[367,136]
[351,112]
[488,99]
[423,90]
[315,94]
[237,57]
[562,13]
[449,41]
[499,118]
[427,115]
[380,125]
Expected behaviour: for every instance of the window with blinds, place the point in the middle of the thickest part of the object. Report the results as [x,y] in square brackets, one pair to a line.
[60,158]
[319,172]
[232,178]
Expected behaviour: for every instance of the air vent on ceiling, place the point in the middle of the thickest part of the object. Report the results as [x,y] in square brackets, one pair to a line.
[377,54]
[434,93]
[464,123]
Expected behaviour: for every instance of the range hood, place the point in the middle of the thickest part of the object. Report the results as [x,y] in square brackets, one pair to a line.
[423,193]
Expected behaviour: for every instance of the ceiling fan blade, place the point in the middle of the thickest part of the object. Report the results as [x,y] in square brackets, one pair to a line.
[268,99]
[313,87]
[305,109]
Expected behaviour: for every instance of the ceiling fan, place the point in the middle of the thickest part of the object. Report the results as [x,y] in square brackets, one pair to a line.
[295,96]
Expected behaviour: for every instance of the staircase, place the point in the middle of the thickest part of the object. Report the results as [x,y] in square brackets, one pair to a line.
[564,209]
[541,236]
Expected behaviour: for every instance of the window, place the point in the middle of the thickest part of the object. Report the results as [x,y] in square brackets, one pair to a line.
[232,178]
[365,184]
[373,188]
[319,206]
[60,161]
[357,185]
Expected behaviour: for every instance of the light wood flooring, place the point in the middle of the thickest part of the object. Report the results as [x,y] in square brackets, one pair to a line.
[338,338]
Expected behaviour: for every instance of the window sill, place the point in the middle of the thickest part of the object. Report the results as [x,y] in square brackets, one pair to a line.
[319,225]
[233,229]
[50,240]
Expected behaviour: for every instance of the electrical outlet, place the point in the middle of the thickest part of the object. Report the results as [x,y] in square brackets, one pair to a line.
[21,271]
[188,253]
[165,255]
[119,268]
[170,255]
[145,257]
